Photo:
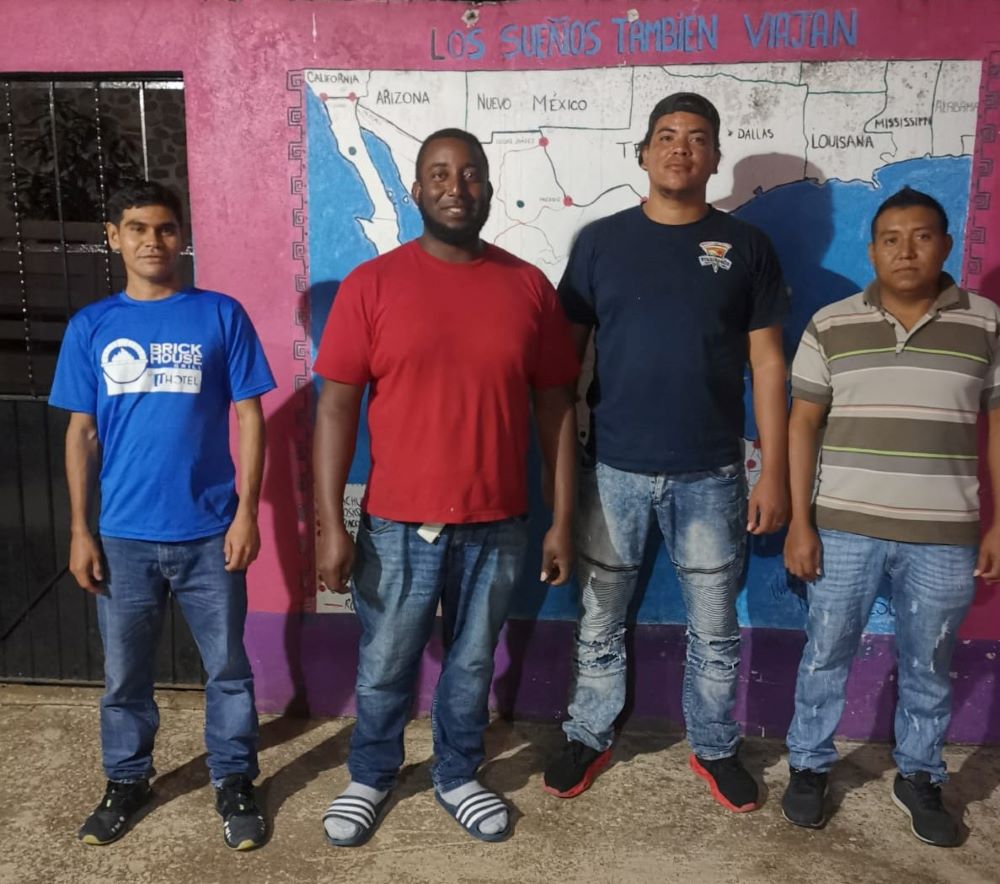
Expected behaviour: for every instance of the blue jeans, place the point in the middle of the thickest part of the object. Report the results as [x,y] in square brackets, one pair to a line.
[140,575]
[399,579]
[932,588]
[702,517]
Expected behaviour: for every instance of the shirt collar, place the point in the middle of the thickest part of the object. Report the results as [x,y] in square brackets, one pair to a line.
[949,297]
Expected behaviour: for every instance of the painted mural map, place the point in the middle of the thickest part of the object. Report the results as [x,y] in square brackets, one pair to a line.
[809,150]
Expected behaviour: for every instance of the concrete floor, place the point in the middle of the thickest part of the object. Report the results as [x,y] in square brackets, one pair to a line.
[648,818]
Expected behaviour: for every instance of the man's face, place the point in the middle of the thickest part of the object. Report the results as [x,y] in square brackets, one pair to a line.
[909,249]
[451,192]
[150,241]
[681,155]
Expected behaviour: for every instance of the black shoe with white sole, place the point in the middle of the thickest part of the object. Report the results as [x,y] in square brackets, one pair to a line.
[920,799]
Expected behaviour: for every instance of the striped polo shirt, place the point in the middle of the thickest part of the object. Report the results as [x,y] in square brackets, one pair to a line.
[898,455]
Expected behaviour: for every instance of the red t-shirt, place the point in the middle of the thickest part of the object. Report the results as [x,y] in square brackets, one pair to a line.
[451,351]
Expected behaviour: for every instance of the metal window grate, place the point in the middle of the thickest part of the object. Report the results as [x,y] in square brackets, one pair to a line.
[66,142]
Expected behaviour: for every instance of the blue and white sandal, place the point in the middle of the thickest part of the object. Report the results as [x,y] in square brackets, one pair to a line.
[360,811]
[475,808]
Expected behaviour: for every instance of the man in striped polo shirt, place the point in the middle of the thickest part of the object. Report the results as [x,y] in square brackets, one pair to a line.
[898,374]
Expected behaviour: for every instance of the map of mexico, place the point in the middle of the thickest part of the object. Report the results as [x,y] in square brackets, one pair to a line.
[809,149]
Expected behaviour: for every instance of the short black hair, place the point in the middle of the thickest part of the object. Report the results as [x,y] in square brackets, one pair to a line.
[459,135]
[138,193]
[686,102]
[907,197]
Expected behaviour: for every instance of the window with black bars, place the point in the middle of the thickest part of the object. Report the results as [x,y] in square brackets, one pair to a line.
[66,144]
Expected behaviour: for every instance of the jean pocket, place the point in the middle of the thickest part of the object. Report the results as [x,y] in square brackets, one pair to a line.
[728,473]
[376,525]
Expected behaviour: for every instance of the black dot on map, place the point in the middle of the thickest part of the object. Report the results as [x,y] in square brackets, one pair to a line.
[520,204]
[352,151]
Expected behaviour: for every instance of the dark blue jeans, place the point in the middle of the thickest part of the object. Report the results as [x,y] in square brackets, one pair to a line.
[140,575]
[399,579]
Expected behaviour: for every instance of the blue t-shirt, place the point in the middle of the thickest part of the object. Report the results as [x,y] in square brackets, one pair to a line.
[671,306]
[159,377]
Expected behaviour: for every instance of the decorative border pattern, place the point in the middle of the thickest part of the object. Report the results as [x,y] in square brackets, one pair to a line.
[986,157]
[298,193]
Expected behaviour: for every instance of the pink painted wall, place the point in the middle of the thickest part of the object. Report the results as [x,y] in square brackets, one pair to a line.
[235,55]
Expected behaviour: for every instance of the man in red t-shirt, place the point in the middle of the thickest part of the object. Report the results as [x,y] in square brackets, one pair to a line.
[451,335]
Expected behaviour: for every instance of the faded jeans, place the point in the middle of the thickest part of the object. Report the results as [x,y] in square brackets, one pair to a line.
[141,575]
[399,579]
[932,587]
[702,517]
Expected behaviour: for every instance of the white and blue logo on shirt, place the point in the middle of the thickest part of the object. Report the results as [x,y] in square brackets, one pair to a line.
[169,367]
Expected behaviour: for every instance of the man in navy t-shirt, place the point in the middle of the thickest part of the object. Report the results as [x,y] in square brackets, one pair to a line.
[679,297]
[149,375]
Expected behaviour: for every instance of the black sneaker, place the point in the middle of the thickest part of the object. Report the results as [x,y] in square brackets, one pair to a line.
[574,769]
[729,781]
[117,811]
[921,800]
[803,801]
[243,824]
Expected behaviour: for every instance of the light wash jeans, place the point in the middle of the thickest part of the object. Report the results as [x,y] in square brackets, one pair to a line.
[140,576]
[702,517]
[932,588]
[399,578]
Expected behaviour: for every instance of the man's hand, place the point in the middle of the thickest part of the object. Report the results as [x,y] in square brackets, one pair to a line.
[85,563]
[335,558]
[988,563]
[767,508]
[557,555]
[242,542]
[803,551]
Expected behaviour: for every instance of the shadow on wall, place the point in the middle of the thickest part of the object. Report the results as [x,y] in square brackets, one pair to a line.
[304,686]
[798,217]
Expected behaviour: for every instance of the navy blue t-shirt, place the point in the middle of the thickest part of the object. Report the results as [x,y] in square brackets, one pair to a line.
[159,378]
[671,306]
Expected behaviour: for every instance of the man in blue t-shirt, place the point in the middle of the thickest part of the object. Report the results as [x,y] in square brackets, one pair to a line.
[149,375]
[679,297]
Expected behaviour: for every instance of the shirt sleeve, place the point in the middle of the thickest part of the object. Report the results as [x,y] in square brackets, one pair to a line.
[770,294]
[810,369]
[576,292]
[990,395]
[555,361]
[249,373]
[345,348]
[74,387]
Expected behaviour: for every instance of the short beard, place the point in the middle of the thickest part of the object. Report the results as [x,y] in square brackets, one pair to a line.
[455,236]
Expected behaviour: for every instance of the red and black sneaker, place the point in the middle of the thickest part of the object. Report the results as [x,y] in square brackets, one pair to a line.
[729,782]
[574,769]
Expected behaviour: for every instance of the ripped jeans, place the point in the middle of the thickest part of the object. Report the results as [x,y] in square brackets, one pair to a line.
[702,517]
[932,588]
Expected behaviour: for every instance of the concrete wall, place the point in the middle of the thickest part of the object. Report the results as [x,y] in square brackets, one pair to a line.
[248,147]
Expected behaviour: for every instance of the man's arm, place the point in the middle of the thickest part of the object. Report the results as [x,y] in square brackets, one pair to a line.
[83,455]
[334,438]
[802,546]
[242,542]
[988,563]
[556,419]
[768,505]
[581,336]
